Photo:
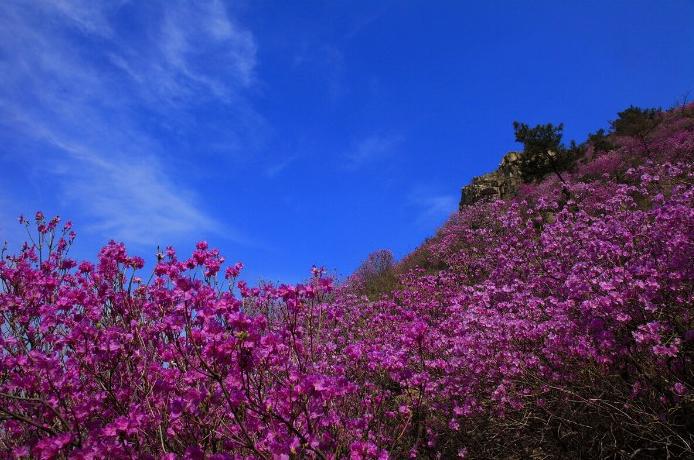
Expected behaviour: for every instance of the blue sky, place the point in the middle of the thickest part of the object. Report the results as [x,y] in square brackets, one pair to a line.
[296,133]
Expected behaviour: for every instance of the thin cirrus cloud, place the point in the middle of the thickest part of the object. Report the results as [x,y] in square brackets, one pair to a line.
[280,166]
[372,149]
[121,194]
[78,84]
[431,207]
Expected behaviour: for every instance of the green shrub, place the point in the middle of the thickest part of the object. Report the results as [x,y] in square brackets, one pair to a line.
[600,141]
[543,152]
[636,122]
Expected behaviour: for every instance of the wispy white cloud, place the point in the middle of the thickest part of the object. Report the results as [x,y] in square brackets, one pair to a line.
[278,167]
[75,83]
[364,20]
[431,207]
[371,149]
[202,46]
[127,198]
[90,16]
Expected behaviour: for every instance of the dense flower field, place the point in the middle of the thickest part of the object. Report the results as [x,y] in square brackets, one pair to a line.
[556,324]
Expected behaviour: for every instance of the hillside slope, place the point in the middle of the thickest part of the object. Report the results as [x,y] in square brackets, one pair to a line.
[556,323]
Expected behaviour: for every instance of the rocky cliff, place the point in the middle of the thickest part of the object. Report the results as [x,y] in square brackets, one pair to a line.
[501,183]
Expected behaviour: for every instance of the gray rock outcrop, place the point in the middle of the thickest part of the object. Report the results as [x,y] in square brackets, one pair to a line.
[499,184]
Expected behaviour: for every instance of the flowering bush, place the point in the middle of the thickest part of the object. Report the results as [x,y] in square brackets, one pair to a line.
[557,324]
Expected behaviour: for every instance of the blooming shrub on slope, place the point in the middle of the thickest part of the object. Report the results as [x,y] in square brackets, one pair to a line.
[590,304]
[99,363]
[557,324]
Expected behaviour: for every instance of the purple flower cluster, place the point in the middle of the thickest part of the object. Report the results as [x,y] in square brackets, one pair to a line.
[545,302]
